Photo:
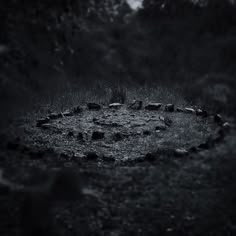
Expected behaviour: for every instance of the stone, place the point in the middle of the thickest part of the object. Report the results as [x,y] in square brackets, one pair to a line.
[115,105]
[226,126]
[92,156]
[218,119]
[170,107]
[136,105]
[189,110]
[201,113]
[40,122]
[94,106]
[67,113]
[180,152]
[153,106]
[166,120]
[98,135]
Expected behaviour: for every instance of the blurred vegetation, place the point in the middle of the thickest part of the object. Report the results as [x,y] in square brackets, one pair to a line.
[55,45]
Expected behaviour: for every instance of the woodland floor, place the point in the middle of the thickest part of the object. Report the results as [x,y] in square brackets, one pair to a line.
[132,178]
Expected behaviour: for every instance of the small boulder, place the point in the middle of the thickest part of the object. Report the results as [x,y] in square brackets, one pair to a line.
[170,107]
[115,105]
[40,122]
[201,113]
[180,152]
[94,106]
[189,110]
[218,119]
[136,105]
[153,106]
[226,126]
[98,135]
[166,120]
[67,113]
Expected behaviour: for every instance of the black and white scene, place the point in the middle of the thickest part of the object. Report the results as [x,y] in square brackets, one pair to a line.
[118,118]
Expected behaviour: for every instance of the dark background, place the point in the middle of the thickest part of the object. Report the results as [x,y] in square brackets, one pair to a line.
[61,47]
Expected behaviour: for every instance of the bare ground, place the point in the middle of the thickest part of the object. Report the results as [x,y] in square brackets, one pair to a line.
[132,179]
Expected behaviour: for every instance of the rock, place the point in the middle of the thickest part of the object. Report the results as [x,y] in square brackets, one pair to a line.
[161,127]
[180,152]
[202,113]
[98,135]
[178,109]
[170,107]
[189,110]
[54,116]
[94,106]
[218,119]
[166,120]
[40,122]
[67,113]
[92,156]
[136,105]
[115,105]
[153,106]
[226,126]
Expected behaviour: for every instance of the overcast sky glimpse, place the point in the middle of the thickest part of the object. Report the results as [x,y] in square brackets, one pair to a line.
[134,4]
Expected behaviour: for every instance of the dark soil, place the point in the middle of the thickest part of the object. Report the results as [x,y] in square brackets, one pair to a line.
[129,180]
